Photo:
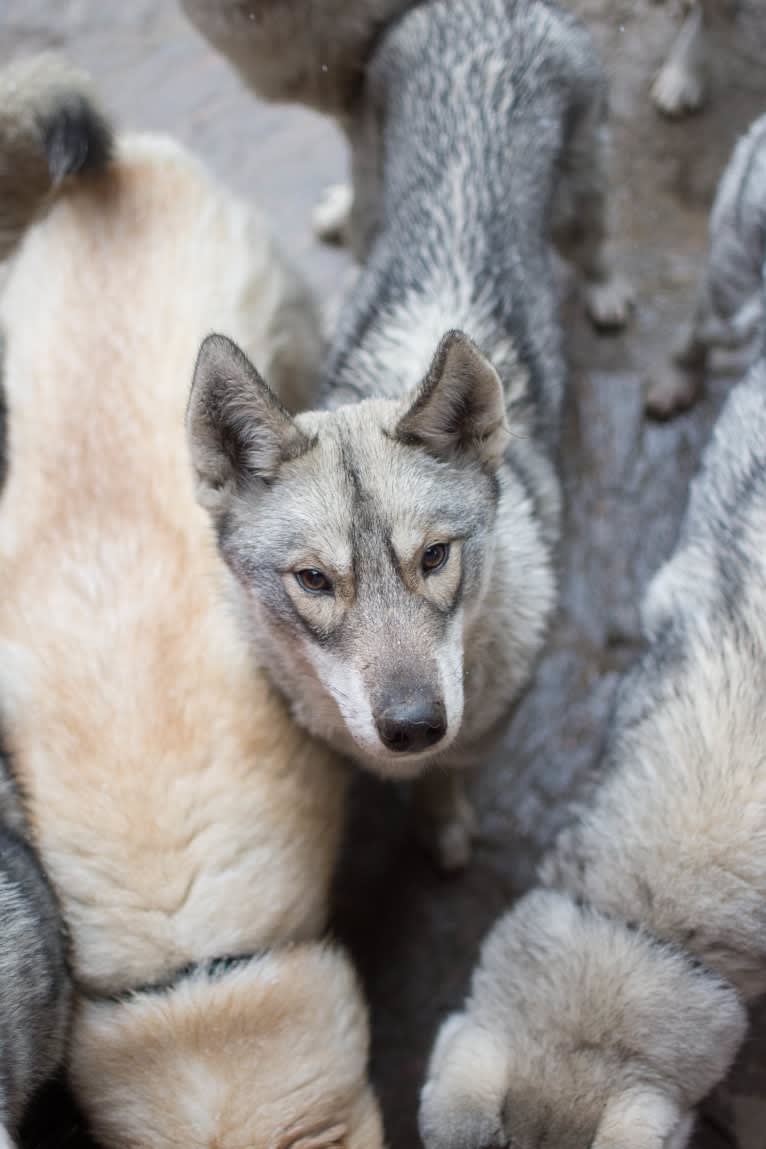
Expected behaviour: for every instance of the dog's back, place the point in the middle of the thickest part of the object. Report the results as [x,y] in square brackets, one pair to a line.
[155,762]
[474,102]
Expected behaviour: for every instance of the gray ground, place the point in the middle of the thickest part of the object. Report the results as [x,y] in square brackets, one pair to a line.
[415,936]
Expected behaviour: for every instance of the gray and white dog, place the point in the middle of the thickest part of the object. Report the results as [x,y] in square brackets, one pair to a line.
[397,548]
[729,313]
[35,994]
[607,1005]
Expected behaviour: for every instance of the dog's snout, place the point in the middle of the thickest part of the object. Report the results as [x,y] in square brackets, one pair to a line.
[412,723]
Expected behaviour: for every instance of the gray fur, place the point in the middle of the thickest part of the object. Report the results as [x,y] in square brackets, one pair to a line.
[606,1006]
[480,126]
[35,993]
[729,309]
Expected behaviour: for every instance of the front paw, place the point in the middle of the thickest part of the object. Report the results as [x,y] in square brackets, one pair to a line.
[673,392]
[462,1101]
[609,303]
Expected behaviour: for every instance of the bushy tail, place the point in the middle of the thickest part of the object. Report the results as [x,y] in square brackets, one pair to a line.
[51,128]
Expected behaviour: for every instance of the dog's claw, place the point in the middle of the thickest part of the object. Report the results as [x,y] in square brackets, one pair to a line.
[609,303]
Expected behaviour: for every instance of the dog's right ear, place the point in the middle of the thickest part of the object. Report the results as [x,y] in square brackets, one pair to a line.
[238,431]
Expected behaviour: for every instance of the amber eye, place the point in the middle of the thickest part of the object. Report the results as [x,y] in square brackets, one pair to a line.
[314,581]
[434,558]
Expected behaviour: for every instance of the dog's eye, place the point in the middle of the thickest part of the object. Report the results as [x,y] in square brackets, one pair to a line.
[434,558]
[314,581]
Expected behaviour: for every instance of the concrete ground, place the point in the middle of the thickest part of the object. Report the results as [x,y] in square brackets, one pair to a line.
[415,936]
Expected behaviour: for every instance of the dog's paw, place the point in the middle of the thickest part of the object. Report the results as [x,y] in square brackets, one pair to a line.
[449,840]
[330,218]
[462,1101]
[676,390]
[678,91]
[609,303]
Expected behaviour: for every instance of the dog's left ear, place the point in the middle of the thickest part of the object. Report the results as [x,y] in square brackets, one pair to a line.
[238,430]
[459,407]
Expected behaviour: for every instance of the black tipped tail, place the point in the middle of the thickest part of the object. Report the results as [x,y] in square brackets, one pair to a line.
[51,128]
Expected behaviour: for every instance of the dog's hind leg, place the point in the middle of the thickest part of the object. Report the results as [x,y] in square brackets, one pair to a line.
[681,85]
[445,820]
[581,218]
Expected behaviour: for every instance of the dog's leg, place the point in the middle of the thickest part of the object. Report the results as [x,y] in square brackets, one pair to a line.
[445,819]
[681,85]
[581,220]
[684,380]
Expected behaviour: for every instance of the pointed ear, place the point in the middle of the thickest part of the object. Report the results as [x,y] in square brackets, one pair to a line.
[238,430]
[459,407]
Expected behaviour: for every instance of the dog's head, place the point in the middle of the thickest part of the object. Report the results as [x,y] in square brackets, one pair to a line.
[363,538]
[580,1033]
[270,1055]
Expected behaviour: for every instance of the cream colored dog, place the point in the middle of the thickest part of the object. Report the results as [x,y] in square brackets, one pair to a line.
[189,827]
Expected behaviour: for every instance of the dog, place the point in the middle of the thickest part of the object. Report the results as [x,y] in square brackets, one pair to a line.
[611,1000]
[35,989]
[729,309]
[397,549]
[189,827]
[681,86]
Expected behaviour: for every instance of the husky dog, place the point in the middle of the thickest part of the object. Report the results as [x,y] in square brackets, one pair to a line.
[682,83]
[35,992]
[607,1005]
[729,309]
[396,550]
[188,825]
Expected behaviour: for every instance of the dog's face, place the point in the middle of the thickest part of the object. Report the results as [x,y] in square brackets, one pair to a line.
[580,1033]
[363,538]
[271,1055]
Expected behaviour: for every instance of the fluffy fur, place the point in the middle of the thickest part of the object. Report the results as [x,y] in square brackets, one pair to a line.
[478,124]
[180,813]
[729,308]
[681,86]
[35,992]
[606,1006]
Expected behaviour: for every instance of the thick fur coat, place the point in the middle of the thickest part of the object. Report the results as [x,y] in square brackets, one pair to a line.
[181,814]
[480,130]
[610,1001]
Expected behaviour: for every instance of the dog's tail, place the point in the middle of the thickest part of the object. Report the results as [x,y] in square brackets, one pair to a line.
[51,128]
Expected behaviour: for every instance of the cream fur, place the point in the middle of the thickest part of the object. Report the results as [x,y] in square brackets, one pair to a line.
[179,811]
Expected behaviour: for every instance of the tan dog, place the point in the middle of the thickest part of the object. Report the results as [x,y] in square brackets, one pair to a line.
[190,828]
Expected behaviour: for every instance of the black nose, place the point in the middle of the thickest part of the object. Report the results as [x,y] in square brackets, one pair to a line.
[412,724]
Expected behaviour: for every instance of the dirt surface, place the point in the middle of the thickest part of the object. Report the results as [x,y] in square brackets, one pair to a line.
[415,936]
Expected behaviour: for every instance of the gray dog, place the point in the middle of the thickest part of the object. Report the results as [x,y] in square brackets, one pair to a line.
[35,995]
[397,549]
[607,1005]
[729,309]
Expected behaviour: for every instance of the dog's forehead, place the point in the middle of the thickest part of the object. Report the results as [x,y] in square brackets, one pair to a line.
[359,463]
